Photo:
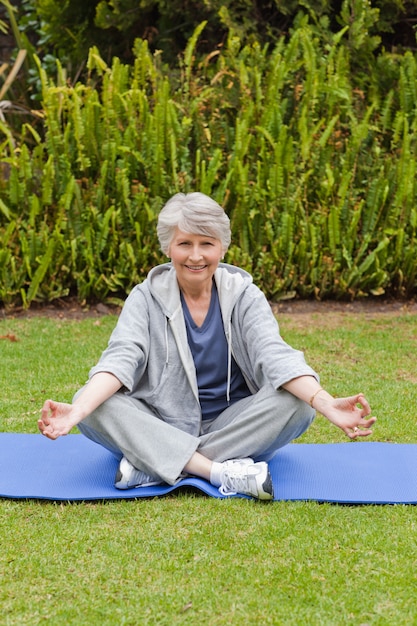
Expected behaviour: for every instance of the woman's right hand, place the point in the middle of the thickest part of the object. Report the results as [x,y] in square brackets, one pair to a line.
[58,418]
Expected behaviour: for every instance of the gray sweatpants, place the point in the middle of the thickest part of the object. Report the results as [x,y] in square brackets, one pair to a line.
[255,427]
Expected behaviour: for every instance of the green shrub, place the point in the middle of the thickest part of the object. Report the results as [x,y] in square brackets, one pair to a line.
[316,174]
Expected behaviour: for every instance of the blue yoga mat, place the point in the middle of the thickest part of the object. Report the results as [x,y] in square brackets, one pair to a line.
[74,468]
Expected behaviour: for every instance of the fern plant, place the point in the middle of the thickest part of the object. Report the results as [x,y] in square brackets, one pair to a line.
[317,176]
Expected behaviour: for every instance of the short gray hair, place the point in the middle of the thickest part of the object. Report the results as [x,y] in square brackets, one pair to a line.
[195,214]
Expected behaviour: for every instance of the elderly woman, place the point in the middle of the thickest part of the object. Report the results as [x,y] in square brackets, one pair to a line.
[196,379]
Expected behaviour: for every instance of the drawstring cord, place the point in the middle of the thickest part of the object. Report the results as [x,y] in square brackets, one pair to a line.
[229,362]
[166,341]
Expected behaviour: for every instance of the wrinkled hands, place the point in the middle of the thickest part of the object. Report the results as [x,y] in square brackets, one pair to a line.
[57,419]
[349,415]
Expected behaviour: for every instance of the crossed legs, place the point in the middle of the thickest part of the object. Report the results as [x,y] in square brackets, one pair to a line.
[255,427]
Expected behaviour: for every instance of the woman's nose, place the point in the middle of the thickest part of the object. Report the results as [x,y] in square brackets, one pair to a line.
[195,253]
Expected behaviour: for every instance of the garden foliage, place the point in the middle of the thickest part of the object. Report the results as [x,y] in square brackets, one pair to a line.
[314,164]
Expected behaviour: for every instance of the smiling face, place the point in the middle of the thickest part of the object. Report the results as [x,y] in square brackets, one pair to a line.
[195,258]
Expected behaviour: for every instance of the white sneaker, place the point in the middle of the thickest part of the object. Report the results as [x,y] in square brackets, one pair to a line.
[128,477]
[246,477]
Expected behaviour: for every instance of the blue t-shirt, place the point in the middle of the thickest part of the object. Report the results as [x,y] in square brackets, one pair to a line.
[209,348]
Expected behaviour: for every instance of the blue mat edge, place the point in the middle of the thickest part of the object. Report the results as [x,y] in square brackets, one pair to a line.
[140,493]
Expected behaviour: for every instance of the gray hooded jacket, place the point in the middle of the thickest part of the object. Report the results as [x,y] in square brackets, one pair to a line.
[148,350]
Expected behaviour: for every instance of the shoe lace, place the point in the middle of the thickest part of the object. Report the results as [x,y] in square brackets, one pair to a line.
[233,482]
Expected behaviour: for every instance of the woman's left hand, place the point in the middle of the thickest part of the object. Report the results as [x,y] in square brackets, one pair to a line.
[349,414]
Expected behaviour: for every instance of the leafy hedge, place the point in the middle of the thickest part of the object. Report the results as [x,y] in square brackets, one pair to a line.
[317,175]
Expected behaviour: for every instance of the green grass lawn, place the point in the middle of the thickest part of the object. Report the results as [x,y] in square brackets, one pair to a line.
[189,559]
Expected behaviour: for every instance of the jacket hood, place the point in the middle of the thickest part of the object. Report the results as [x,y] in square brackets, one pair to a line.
[231,281]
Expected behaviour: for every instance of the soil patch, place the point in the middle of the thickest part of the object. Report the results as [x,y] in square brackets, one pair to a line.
[68,308]
[333,311]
